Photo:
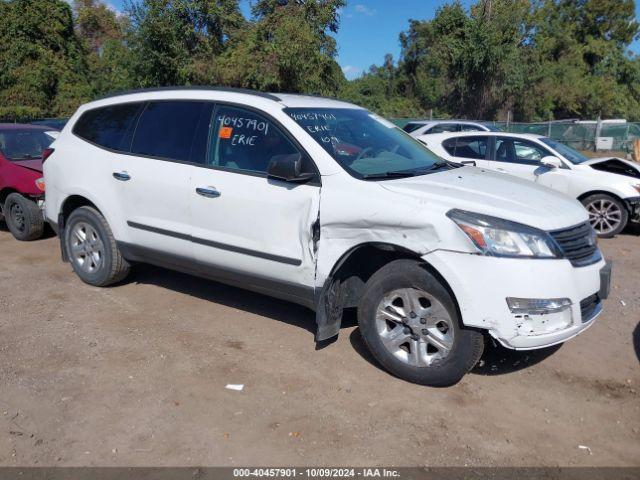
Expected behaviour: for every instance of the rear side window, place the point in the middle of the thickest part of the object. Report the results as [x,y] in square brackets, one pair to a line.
[108,127]
[467,147]
[444,127]
[167,129]
[412,127]
[450,146]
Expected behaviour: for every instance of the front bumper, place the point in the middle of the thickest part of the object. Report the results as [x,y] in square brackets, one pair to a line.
[481,285]
[633,205]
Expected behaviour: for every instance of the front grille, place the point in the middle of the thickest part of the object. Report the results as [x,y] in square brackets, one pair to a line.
[578,244]
[589,307]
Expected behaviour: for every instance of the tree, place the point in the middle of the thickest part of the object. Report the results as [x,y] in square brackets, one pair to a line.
[103,36]
[579,66]
[43,69]
[288,47]
[176,42]
[467,63]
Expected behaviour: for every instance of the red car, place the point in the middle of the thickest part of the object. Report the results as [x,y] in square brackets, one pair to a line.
[21,182]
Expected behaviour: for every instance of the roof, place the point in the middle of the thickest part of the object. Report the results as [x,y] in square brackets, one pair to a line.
[451,120]
[287,99]
[24,126]
[528,136]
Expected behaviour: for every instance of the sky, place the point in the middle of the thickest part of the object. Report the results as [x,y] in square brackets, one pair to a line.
[370,28]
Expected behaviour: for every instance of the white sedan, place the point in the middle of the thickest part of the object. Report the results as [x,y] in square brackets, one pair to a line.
[608,187]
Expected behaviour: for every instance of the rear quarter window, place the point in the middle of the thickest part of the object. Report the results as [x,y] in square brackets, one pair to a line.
[108,127]
[166,129]
[412,127]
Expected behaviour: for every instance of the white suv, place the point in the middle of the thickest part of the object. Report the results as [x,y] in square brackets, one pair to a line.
[608,187]
[325,204]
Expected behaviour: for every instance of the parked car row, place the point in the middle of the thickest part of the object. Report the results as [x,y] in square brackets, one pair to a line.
[325,204]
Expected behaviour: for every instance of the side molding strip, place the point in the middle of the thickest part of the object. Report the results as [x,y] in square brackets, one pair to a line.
[221,246]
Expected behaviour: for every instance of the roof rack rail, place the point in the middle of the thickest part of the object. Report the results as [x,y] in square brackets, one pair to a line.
[247,91]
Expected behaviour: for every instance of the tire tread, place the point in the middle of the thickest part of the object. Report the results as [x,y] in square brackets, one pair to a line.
[119,268]
[33,217]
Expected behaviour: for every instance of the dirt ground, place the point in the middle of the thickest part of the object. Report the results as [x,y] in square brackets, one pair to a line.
[135,375]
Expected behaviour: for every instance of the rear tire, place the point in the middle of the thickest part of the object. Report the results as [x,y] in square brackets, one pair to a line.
[23,218]
[92,249]
[607,215]
[410,323]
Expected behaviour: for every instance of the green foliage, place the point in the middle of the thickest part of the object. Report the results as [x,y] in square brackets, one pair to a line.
[176,42]
[542,59]
[287,48]
[43,65]
[539,59]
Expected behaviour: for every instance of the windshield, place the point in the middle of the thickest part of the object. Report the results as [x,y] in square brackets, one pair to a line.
[366,145]
[569,153]
[23,144]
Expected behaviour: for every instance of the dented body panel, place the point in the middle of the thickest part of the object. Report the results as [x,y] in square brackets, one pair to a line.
[481,285]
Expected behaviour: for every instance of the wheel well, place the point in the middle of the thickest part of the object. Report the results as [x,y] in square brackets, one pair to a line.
[358,265]
[602,192]
[4,193]
[72,203]
[345,285]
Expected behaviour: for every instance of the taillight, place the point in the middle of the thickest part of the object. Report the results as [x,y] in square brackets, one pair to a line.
[47,153]
[40,184]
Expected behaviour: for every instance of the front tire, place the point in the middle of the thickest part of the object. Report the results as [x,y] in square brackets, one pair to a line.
[607,215]
[92,249]
[23,218]
[410,323]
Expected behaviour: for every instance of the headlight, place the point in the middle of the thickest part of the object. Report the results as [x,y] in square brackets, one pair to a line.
[637,187]
[503,238]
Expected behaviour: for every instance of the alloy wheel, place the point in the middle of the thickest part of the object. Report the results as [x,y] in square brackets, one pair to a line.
[87,249]
[604,215]
[414,327]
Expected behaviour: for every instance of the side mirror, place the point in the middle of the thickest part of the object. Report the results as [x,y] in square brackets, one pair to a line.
[551,162]
[288,168]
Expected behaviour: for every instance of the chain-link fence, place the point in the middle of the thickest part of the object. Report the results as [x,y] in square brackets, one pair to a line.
[579,135]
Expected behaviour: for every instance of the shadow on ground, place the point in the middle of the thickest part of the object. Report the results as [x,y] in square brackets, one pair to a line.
[636,341]
[228,296]
[632,229]
[496,360]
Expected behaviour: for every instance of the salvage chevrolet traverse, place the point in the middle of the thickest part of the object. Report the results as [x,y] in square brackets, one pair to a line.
[325,204]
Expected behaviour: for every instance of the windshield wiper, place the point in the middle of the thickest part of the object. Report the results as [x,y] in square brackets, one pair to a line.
[398,174]
[438,166]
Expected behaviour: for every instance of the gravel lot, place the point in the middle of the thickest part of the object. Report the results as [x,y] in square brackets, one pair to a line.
[136,375]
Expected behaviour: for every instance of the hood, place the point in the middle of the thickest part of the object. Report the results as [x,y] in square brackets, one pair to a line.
[500,195]
[35,164]
[615,165]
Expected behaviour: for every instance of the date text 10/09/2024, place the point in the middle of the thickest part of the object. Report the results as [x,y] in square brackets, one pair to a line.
[316,472]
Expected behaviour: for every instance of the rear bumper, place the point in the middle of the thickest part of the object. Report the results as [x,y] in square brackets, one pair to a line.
[482,284]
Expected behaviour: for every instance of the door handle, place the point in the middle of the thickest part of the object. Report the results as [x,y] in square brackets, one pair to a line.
[209,192]
[122,176]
